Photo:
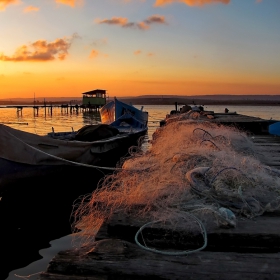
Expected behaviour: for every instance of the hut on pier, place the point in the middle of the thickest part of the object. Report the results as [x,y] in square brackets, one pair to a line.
[93,100]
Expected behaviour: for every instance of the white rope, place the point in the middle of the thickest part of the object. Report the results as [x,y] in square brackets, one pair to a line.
[174,253]
[73,162]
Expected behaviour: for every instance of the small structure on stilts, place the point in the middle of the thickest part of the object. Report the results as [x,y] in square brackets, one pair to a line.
[94,100]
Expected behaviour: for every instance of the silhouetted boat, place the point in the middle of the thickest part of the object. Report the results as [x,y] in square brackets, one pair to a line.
[27,157]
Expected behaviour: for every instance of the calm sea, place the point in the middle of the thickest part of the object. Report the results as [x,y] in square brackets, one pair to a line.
[60,120]
[29,258]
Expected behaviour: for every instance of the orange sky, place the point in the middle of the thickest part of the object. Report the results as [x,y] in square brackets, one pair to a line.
[185,47]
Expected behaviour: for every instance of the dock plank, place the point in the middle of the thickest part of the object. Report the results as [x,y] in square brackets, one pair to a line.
[261,234]
[118,259]
[251,250]
[267,149]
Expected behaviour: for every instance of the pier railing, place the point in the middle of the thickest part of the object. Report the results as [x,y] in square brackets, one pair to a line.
[49,108]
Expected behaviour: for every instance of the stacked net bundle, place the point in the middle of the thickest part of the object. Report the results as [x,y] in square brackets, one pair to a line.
[195,176]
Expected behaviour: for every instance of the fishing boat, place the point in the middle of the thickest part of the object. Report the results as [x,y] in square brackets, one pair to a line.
[126,118]
[116,110]
[68,157]
[274,128]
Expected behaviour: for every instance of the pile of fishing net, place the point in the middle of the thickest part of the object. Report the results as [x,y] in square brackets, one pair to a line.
[195,176]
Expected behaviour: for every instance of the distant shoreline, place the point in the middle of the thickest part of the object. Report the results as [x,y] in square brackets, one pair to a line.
[216,100]
[204,102]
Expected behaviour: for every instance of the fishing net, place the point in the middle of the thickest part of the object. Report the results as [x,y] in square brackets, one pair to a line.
[196,176]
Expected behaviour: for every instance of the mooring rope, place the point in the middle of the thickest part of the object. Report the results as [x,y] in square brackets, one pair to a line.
[174,253]
[74,162]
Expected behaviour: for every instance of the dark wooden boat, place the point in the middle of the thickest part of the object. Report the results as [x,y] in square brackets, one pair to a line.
[67,158]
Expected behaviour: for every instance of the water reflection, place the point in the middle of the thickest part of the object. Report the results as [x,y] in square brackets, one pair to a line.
[91,117]
[33,214]
[30,220]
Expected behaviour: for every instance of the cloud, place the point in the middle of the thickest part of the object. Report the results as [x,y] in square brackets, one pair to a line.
[143,25]
[137,52]
[5,3]
[93,54]
[100,42]
[258,1]
[30,9]
[155,19]
[114,21]
[40,50]
[191,2]
[71,3]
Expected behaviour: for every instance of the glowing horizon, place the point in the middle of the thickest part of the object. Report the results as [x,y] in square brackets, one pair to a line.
[136,47]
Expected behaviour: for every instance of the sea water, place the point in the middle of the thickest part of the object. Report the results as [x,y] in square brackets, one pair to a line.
[42,123]
[60,120]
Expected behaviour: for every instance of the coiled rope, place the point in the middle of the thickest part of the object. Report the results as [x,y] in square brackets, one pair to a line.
[174,253]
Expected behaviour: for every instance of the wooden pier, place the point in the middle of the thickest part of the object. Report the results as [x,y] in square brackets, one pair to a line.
[48,108]
[249,251]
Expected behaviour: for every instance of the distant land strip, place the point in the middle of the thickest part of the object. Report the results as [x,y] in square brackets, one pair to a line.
[258,100]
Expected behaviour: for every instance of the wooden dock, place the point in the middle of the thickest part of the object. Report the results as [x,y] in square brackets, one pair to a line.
[48,108]
[249,251]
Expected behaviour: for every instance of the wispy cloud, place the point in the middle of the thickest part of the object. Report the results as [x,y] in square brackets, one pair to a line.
[31,9]
[72,3]
[5,3]
[143,25]
[93,54]
[40,50]
[137,52]
[190,2]
[100,42]
[114,21]
[155,19]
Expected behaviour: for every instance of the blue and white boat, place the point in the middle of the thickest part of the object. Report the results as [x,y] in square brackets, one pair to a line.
[126,118]
[274,128]
[116,110]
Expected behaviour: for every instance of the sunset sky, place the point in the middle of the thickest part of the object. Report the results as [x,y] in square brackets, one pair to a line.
[62,48]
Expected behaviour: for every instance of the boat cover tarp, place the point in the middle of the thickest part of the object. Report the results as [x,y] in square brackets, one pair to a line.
[96,132]
[274,129]
[107,113]
[25,147]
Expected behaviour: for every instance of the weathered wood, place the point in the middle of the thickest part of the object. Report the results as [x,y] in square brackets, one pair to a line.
[261,234]
[249,251]
[50,276]
[118,259]
[267,149]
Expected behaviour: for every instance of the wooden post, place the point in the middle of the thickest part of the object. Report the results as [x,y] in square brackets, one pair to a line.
[45,106]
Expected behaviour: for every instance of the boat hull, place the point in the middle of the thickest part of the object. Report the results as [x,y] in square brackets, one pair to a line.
[274,128]
[113,110]
[98,158]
